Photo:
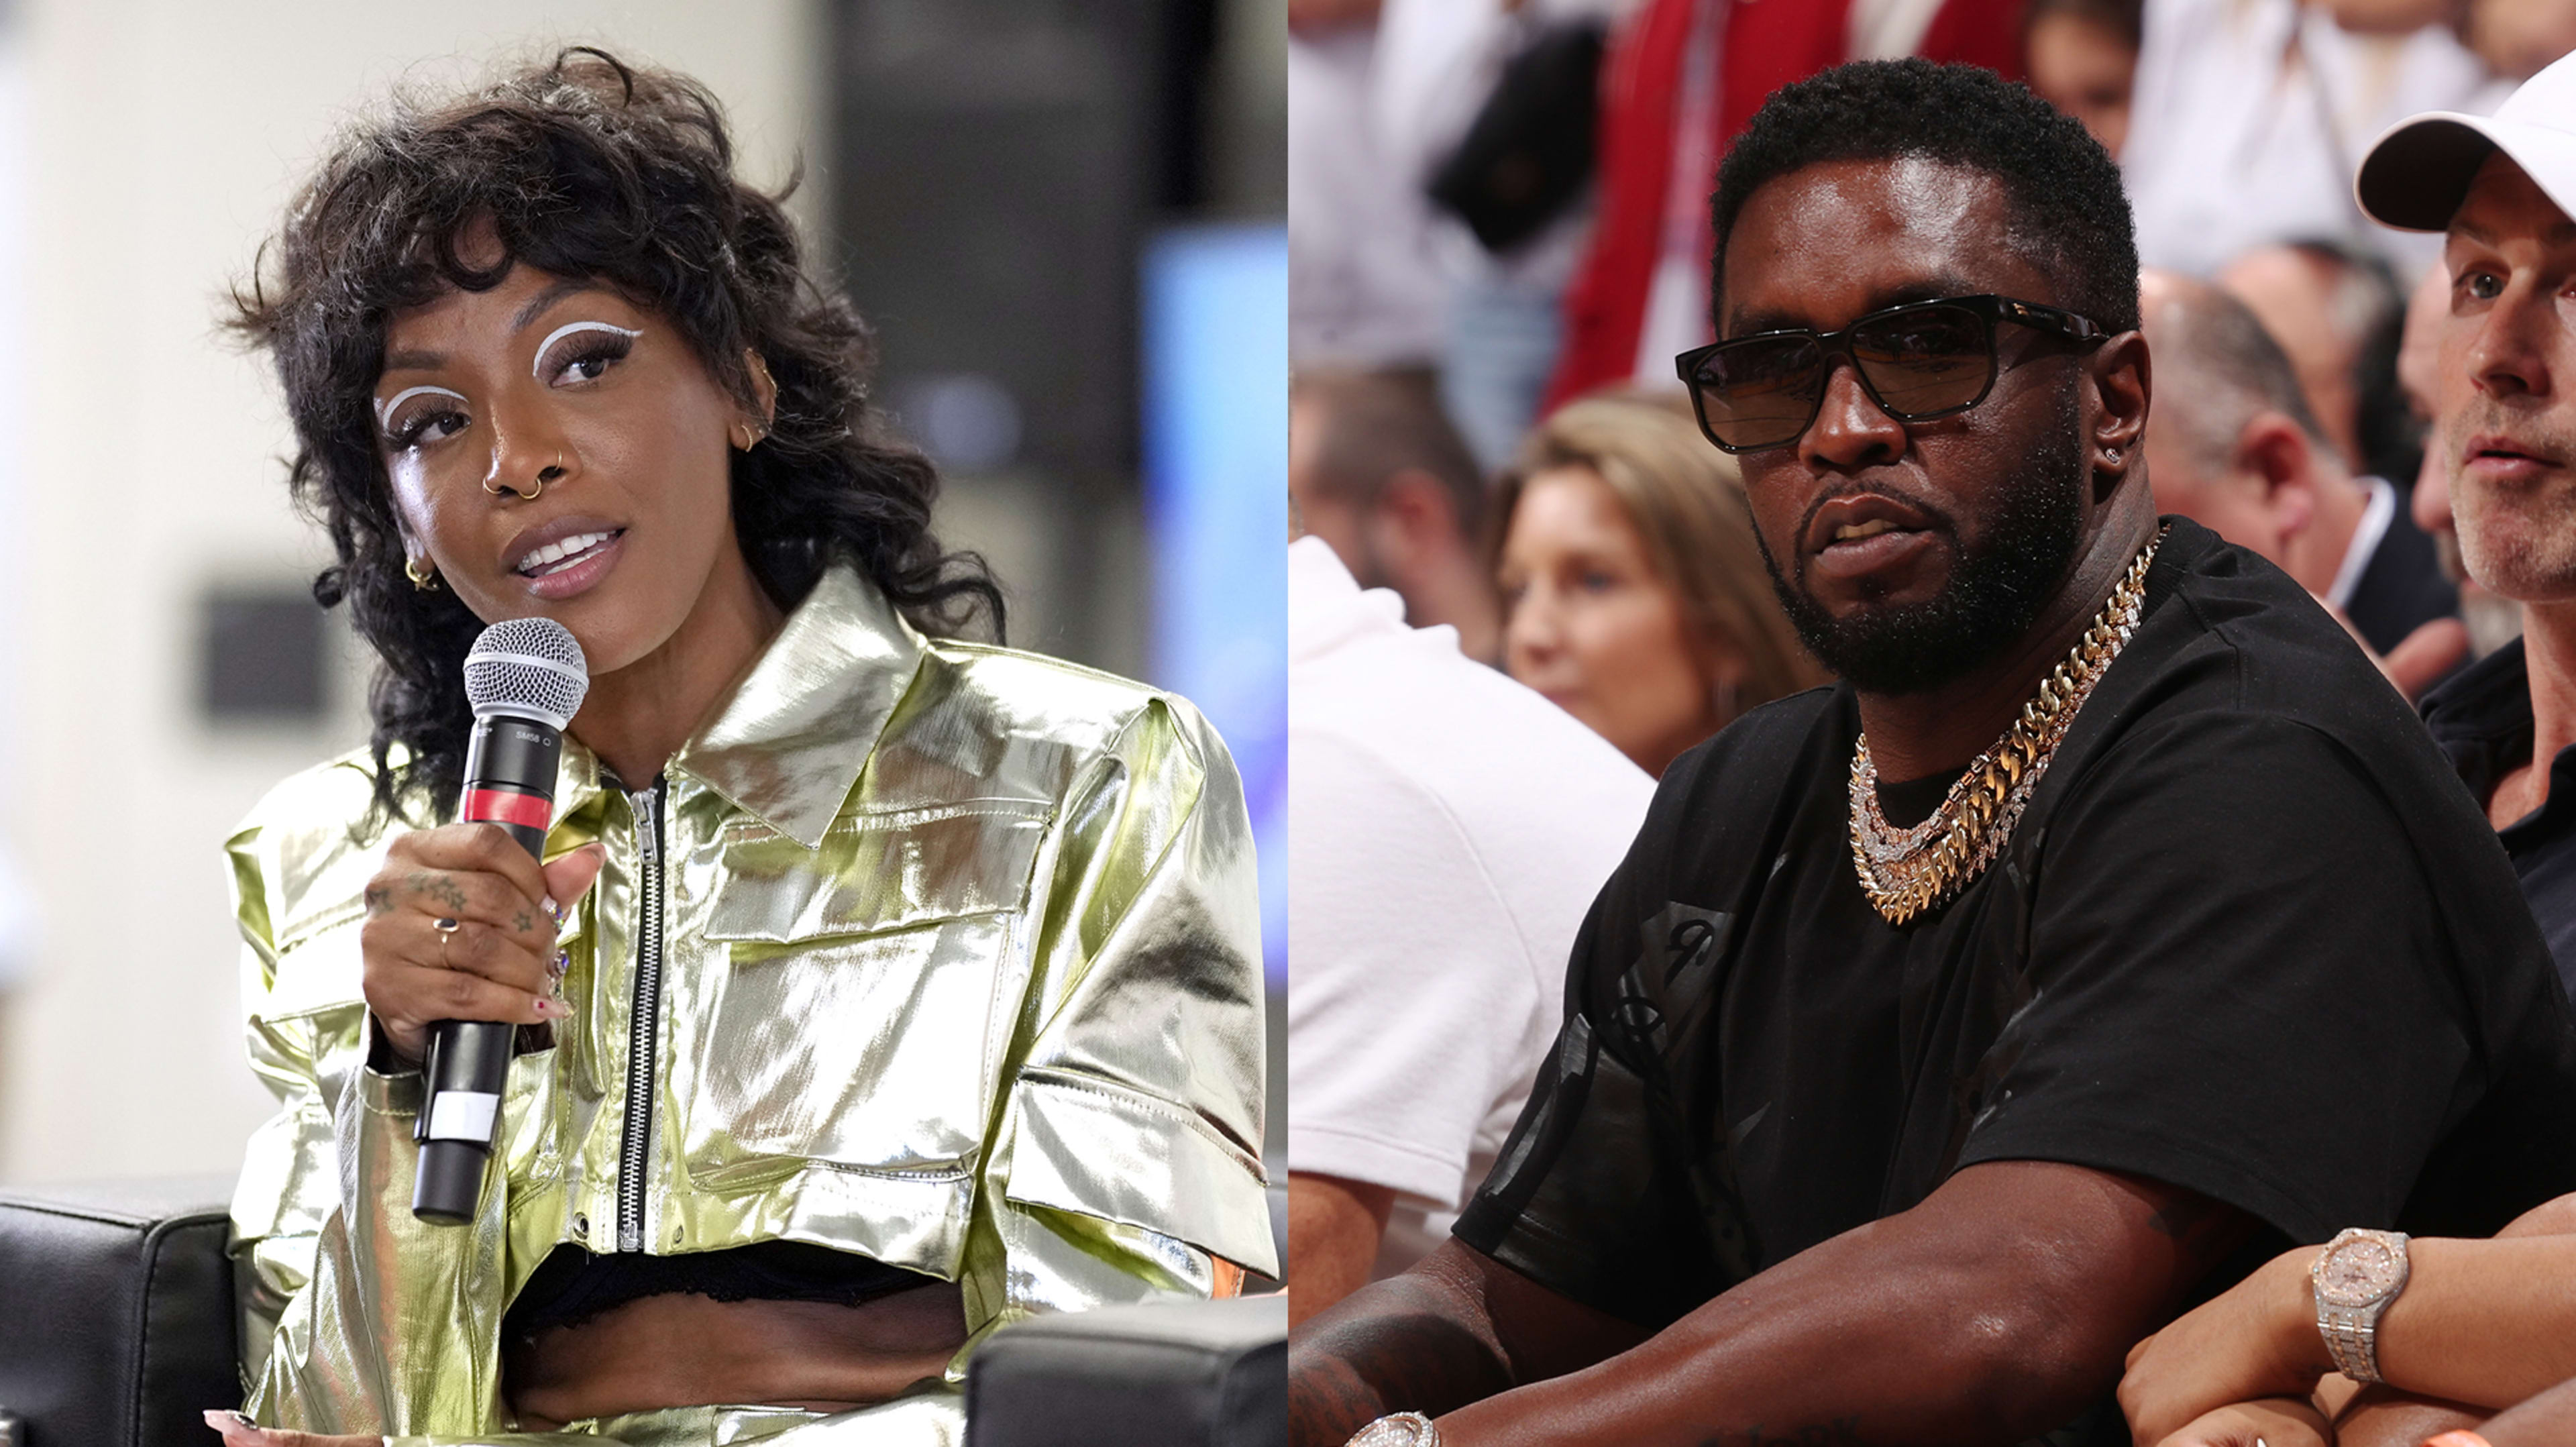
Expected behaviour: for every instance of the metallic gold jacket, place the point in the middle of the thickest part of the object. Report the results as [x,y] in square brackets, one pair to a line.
[937,952]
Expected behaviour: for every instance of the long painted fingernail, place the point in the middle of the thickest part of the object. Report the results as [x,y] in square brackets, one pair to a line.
[563,962]
[553,1009]
[552,908]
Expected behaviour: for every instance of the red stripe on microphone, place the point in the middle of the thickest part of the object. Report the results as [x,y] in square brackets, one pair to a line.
[506,806]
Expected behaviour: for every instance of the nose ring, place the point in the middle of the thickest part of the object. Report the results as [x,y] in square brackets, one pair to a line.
[543,477]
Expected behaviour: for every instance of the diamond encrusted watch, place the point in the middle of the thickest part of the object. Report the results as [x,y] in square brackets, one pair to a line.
[1404,1429]
[2356,1277]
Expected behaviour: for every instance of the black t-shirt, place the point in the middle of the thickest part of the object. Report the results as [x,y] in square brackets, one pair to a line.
[2251,938]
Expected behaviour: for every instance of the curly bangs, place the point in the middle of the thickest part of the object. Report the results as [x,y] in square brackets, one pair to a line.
[591,169]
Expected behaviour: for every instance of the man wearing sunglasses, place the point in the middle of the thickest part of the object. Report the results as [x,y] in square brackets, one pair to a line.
[2109,926]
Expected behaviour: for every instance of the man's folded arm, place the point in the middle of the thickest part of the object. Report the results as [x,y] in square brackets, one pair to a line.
[1995,1310]
[1456,1328]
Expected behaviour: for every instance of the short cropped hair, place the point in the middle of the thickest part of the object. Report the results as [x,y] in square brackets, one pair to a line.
[1369,426]
[2216,368]
[2068,212]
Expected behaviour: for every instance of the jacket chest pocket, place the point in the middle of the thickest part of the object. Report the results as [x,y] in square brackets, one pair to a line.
[853,992]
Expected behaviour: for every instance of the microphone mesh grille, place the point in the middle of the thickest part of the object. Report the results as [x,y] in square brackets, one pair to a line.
[527,665]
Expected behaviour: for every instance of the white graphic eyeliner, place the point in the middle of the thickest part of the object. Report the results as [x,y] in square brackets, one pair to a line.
[385,410]
[537,368]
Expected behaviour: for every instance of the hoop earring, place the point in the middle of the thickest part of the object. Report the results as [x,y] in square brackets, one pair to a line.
[423,574]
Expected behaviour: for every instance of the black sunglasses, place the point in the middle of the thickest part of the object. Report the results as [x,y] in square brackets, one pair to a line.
[1921,360]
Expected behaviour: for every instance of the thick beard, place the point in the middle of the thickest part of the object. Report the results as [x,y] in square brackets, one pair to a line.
[1994,593]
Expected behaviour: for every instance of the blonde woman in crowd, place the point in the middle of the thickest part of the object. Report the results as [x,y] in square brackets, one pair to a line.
[1637,598]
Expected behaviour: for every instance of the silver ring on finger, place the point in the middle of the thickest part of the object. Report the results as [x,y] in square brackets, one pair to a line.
[447,929]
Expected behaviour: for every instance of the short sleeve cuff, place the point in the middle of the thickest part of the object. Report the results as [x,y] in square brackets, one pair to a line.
[2185,1164]
[1407,1169]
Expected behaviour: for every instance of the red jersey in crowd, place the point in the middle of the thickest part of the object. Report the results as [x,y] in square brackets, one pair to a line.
[1648,110]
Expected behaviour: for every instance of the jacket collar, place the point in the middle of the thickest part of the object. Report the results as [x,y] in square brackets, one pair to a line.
[790,744]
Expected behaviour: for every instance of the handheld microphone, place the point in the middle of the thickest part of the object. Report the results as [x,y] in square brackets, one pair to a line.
[525,678]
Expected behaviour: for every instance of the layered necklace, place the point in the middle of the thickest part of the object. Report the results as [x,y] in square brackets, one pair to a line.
[1908,871]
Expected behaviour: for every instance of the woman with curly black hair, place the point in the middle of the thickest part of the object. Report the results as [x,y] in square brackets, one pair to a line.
[879,988]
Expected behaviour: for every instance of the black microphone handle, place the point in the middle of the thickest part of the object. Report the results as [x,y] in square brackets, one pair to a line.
[463,1076]
[509,780]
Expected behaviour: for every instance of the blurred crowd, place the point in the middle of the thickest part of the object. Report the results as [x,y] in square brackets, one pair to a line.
[1500,207]
[1499,240]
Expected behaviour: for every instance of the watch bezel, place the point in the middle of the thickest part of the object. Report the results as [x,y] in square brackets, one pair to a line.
[2391,1244]
[1416,1429]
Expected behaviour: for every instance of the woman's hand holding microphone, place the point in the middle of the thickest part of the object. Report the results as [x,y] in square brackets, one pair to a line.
[461,925]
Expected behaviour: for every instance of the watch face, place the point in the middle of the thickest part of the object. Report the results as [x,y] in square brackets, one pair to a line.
[2357,1272]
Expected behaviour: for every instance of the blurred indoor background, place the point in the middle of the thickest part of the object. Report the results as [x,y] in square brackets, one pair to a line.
[1065,217]
[1498,207]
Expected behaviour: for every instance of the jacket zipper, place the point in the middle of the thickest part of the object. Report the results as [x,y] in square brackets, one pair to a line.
[644,1022]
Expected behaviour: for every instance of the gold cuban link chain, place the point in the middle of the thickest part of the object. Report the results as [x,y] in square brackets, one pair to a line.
[1908,871]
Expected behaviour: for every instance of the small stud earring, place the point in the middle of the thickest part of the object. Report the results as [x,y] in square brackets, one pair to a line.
[2110,454]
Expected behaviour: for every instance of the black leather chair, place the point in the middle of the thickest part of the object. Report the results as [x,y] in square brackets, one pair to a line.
[116,1313]
[117,1330]
[1183,1375]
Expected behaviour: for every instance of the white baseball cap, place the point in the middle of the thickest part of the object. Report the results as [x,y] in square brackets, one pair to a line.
[2417,174]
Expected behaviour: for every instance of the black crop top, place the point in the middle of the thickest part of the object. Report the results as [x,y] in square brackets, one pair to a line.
[571,1285]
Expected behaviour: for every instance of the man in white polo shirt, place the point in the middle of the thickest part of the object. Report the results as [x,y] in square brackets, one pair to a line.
[1451,829]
